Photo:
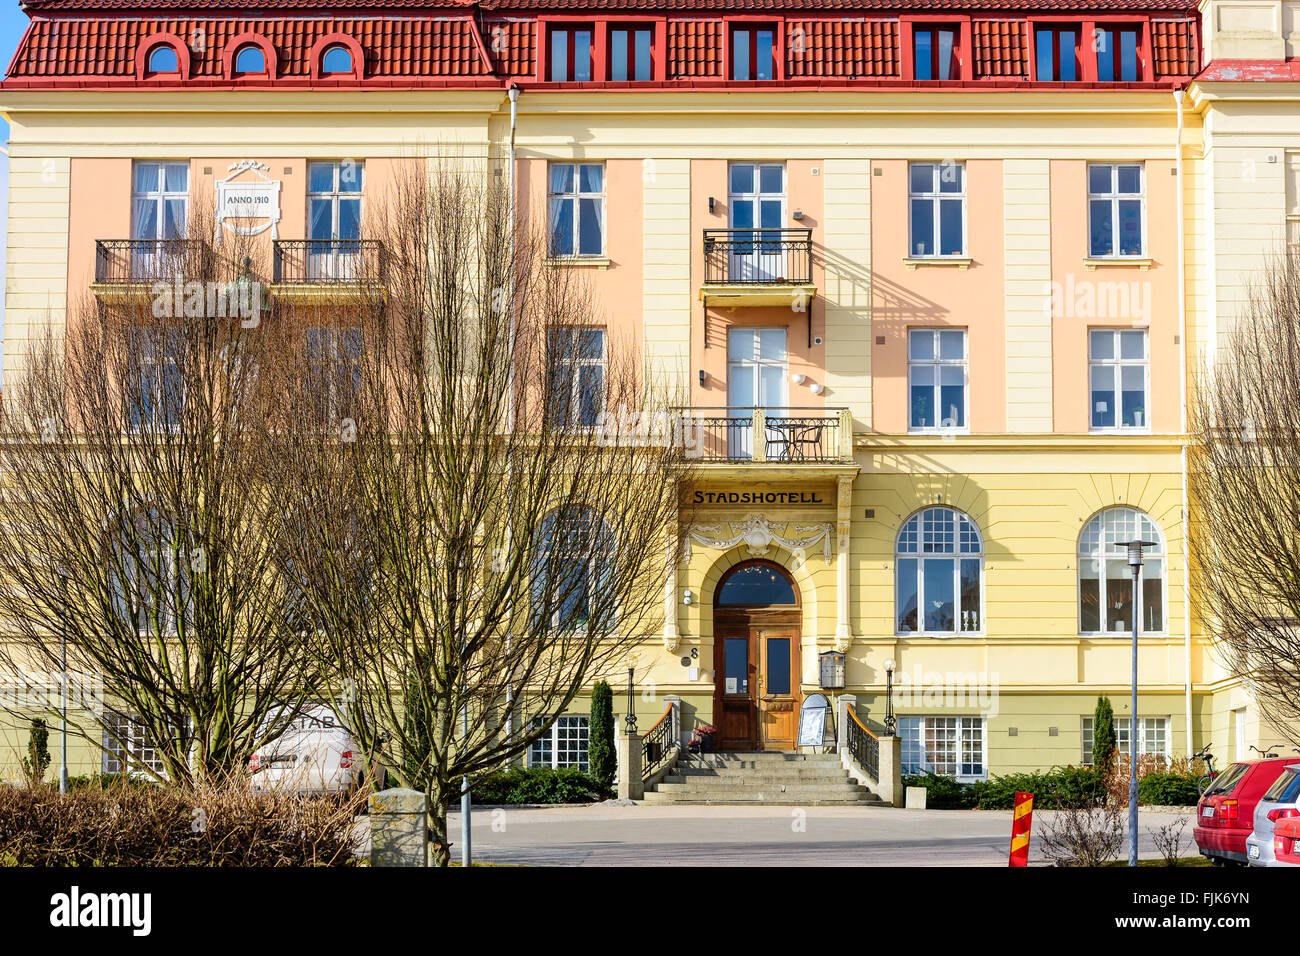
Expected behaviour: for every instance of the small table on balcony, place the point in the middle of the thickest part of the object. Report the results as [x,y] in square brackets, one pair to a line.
[801,439]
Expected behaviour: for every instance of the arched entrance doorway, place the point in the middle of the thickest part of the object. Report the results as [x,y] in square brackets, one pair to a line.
[756,618]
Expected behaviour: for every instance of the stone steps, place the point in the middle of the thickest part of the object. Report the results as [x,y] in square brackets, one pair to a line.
[773,778]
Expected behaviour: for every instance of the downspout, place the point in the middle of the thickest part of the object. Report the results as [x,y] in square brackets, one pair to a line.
[510,399]
[1182,392]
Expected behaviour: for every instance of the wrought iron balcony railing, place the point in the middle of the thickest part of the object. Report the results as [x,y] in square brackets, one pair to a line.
[126,261]
[758,256]
[785,435]
[327,261]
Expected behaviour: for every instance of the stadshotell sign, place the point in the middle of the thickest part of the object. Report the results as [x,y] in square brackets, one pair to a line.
[759,498]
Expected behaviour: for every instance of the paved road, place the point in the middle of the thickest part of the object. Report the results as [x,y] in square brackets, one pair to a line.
[758,836]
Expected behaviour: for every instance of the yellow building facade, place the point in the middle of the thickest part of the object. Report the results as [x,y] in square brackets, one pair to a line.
[926,400]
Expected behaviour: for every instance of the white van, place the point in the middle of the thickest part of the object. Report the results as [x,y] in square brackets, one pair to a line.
[315,754]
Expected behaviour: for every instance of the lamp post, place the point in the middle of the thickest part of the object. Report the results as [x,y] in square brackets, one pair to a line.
[630,721]
[891,722]
[63,682]
[1134,549]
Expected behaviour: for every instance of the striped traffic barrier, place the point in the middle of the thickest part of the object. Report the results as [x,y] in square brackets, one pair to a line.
[1021,823]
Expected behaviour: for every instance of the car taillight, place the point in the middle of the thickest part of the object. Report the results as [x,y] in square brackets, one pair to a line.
[1228,809]
[345,760]
[1280,814]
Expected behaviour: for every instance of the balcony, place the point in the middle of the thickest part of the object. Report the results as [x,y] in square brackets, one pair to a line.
[123,263]
[758,267]
[323,267]
[779,436]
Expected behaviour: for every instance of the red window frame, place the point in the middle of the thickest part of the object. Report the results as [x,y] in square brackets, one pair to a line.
[1083,66]
[572,29]
[1116,27]
[958,49]
[632,27]
[753,28]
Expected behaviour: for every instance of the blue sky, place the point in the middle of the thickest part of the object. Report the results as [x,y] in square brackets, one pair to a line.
[12,24]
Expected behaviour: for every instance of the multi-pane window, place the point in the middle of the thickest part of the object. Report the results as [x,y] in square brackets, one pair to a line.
[577,374]
[938,573]
[127,747]
[1106,580]
[1056,51]
[571,558]
[935,53]
[936,378]
[571,54]
[753,53]
[937,209]
[564,745]
[334,365]
[1115,210]
[1293,202]
[1117,378]
[1117,54]
[944,746]
[630,53]
[334,218]
[150,582]
[159,199]
[1153,736]
[576,194]
[155,365]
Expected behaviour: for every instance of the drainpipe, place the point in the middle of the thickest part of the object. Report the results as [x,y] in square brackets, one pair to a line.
[510,398]
[1182,392]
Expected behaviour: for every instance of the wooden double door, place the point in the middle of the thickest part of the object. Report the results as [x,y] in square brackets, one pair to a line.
[756,669]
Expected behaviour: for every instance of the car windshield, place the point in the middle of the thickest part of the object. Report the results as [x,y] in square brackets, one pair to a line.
[1227,781]
[1285,788]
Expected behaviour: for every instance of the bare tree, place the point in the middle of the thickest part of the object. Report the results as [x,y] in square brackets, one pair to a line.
[1245,484]
[142,523]
[1083,834]
[484,487]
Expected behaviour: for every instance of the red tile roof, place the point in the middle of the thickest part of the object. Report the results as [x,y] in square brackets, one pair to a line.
[1000,48]
[694,49]
[847,48]
[784,7]
[1174,46]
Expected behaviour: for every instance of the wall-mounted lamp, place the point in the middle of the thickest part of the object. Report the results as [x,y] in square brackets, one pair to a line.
[687,597]
[798,215]
[704,376]
[798,378]
[712,202]
[817,389]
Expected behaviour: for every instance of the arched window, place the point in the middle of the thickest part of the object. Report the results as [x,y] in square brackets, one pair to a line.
[571,562]
[756,584]
[938,574]
[336,59]
[163,59]
[1106,580]
[250,59]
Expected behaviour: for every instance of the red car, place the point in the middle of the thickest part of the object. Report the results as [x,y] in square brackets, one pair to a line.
[1225,816]
[1286,841]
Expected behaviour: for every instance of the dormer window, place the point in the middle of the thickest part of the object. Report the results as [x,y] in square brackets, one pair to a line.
[1117,54]
[163,59]
[753,53]
[631,54]
[1056,49]
[250,60]
[571,54]
[335,60]
[936,53]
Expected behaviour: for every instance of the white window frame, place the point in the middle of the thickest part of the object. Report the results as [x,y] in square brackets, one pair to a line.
[573,369]
[130,754]
[937,364]
[933,195]
[1116,364]
[545,751]
[577,194]
[332,357]
[1113,195]
[1106,551]
[960,725]
[160,195]
[1087,737]
[956,556]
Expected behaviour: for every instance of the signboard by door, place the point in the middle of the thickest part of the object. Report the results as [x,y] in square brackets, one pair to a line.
[812,721]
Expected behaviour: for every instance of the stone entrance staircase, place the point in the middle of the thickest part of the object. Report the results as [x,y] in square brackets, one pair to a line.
[778,779]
